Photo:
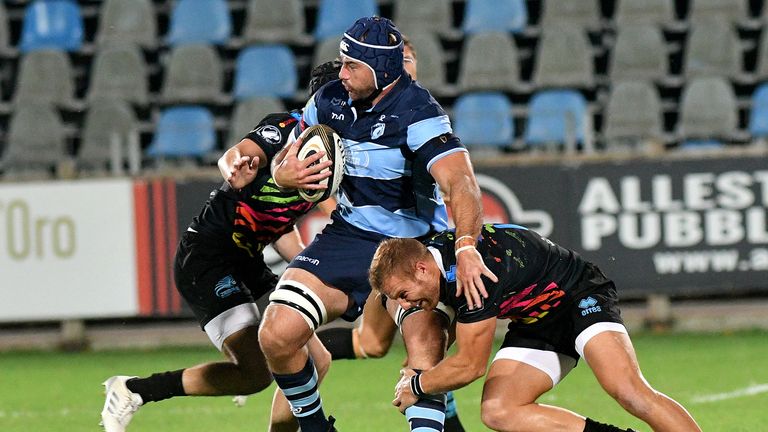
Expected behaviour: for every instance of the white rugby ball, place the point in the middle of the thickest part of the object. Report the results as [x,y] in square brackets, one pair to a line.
[322,138]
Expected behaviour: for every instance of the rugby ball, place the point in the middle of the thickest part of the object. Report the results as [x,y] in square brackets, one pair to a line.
[322,138]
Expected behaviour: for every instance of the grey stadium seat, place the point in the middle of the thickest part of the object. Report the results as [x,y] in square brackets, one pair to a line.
[730,11]
[430,62]
[194,74]
[489,61]
[30,146]
[564,59]
[632,114]
[119,71]
[761,70]
[584,14]
[326,50]
[45,76]
[712,50]
[248,114]
[110,132]
[708,109]
[654,12]
[127,21]
[271,21]
[639,53]
[430,16]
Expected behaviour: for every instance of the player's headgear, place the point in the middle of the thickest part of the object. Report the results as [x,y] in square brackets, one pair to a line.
[377,43]
[323,74]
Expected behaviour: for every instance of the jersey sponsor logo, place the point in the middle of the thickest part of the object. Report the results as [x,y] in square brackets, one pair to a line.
[377,130]
[313,261]
[269,133]
[450,275]
[226,287]
[588,305]
[335,116]
[338,102]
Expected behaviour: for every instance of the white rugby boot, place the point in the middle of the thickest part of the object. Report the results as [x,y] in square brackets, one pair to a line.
[120,404]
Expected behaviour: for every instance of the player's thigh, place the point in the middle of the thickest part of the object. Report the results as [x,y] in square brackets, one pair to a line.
[242,348]
[511,383]
[612,358]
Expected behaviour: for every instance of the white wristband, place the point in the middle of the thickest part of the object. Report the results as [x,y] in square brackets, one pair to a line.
[463,237]
[463,248]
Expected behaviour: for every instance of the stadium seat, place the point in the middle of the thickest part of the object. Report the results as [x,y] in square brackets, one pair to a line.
[200,21]
[761,69]
[645,12]
[45,76]
[727,11]
[639,54]
[489,61]
[52,24]
[110,137]
[127,21]
[326,50]
[556,118]
[265,70]
[484,120]
[183,132]
[758,116]
[632,115]
[426,16]
[119,72]
[494,16]
[564,59]
[248,114]
[194,74]
[712,50]
[431,63]
[584,14]
[267,21]
[334,17]
[6,49]
[699,145]
[30,146]
[708,109]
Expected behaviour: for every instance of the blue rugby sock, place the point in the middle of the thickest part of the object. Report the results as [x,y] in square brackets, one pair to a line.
[301,391]
[426,416]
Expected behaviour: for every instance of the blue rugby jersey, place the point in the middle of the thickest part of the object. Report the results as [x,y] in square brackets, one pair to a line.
[390,148]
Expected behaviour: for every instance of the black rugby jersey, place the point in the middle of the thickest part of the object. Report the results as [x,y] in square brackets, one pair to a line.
[535,275]
[260,213]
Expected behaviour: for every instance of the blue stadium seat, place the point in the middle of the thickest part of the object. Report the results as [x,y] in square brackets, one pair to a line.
[701,145]
[758,117]
[52,24]
[334,17]
[484,119]
[557,117]
[183,132]
[200,21]
[265,70]
[491,15]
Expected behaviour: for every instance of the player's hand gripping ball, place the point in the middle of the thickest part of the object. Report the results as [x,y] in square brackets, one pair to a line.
[322,138]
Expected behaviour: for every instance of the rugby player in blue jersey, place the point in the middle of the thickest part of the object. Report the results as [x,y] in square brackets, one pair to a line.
[220,272]
[560,308]
[400,154]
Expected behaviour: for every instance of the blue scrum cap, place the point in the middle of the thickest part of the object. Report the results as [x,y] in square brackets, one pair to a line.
[377,43]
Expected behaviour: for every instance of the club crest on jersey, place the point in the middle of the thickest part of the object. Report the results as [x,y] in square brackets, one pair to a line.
[270,133]
[377,130]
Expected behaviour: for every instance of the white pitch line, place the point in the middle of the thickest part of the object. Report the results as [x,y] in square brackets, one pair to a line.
[747,391]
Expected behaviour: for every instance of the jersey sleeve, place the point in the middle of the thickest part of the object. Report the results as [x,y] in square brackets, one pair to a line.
[430,136]
[272,132]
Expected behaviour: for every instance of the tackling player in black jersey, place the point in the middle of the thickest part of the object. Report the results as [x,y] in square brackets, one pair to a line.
[220,272]
[560,308]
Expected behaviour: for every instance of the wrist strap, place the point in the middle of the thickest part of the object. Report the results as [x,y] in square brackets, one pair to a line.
[463,237]
[416,386]
[463,248]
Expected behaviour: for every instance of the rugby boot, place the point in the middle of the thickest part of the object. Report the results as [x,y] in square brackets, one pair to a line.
[120,404]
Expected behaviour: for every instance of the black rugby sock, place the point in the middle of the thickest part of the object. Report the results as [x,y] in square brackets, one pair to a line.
[338,341]
[593,426]
[159,386]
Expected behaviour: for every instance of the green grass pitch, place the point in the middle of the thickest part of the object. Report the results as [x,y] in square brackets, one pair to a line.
[721,378]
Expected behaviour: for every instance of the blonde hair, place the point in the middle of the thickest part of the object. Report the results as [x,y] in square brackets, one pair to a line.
[395,257]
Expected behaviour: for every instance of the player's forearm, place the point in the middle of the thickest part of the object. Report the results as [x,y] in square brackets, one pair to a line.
[451,374]
[465,202]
